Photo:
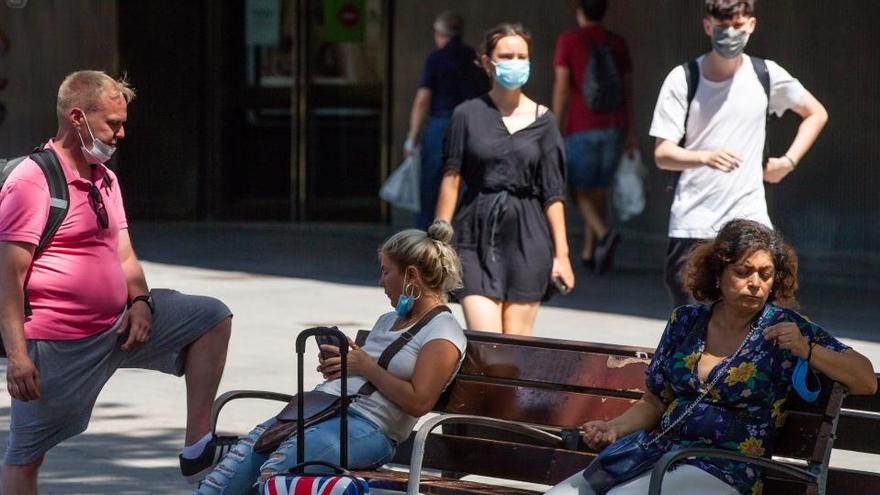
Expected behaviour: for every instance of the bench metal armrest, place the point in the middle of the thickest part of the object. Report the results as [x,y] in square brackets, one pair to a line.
[418,452]
[674,456]
[226,397]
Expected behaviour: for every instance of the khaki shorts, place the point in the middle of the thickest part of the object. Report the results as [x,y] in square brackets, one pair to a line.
[73,372]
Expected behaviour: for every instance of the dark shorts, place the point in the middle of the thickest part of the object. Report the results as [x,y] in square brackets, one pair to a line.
[592,157]
[677,254]
[73,372]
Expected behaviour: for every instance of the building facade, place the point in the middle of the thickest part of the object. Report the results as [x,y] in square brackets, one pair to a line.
[296,110]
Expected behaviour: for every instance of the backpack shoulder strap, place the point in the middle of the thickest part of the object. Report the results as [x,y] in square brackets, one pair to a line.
[692,77]
[760,66]
[59,201]
[59,196]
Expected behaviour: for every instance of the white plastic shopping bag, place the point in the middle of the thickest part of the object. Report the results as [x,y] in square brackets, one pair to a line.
[629,186]
[401,189]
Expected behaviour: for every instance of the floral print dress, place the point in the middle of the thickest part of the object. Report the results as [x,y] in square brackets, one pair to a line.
[744,409]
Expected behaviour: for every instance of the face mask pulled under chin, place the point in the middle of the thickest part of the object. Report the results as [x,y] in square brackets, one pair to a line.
[99,152]
[728,41]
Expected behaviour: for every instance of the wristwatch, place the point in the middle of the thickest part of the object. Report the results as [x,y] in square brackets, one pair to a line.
[145,298]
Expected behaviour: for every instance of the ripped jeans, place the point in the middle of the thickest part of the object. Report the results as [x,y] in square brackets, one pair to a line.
[240,470]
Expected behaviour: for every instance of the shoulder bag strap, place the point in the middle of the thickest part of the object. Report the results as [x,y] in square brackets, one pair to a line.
[395,347]
[705,391]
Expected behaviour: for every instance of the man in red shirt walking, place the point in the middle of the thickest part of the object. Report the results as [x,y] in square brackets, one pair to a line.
[592,98]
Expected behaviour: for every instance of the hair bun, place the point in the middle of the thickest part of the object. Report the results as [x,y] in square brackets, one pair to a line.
[440,230]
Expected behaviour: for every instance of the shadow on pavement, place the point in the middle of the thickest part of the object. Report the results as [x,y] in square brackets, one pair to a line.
[112,463]
[344,253]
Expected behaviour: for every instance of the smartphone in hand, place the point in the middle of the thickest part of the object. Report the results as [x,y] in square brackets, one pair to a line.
[326,340]
[560,285]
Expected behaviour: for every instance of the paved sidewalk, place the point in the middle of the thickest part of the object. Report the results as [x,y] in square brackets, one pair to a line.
[279,279]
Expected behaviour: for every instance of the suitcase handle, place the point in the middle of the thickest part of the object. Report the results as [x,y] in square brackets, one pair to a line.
[342,343]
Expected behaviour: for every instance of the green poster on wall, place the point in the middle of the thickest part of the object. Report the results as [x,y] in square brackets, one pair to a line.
[344,20]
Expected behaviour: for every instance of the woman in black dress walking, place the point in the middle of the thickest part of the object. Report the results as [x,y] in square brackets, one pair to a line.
[510,224]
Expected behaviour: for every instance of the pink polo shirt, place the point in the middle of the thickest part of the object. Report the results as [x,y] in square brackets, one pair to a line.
[76,287]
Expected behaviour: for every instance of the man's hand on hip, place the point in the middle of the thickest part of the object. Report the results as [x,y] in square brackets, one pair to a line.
[139,324]
[777,169]
[22,379]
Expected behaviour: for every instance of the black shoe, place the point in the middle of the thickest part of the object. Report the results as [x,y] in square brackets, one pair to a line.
[589,264]
[604,253]
[196,469]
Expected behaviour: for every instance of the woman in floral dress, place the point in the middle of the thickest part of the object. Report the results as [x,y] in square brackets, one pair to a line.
[748,333]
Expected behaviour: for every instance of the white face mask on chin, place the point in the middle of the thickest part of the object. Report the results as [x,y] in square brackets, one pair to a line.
[99,152]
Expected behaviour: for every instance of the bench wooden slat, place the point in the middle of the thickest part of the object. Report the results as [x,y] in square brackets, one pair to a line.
[797,437]
[850,482]
[864,402]
[556,368]
[775,486]
[560,344]
[859,432]
[557,408]
[516,461]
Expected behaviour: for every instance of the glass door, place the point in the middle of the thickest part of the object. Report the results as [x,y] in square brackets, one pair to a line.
[342,108]
[307,139]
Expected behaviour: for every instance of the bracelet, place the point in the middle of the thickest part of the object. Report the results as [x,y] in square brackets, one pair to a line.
[791,161]
[810,353]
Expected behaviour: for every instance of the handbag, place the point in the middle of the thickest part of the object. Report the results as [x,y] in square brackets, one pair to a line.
[294,482]
[622,461]
[317,406]
[636,453]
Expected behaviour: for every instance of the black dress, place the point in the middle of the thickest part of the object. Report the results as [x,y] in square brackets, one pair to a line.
[501,230]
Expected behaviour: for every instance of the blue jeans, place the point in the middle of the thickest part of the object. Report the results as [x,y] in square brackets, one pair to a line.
[432,167]
[240,469]
[592,157]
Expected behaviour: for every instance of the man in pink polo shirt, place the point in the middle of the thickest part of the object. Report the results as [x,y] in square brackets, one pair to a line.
[91,311]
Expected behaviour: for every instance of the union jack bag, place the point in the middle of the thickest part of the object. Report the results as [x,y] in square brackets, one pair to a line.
[297,483]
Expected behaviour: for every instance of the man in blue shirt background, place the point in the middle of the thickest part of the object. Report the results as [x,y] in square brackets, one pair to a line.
[449,77]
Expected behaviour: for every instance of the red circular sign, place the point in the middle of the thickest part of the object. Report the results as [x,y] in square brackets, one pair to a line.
[348,15]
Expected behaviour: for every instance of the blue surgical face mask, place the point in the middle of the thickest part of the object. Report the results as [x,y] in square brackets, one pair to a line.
[405,302]
[512,73]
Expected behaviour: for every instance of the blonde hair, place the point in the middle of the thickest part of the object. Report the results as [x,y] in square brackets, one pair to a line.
[85,88]
[430,252]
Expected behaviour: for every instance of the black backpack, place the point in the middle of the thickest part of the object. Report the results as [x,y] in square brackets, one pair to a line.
[603,82]
[692,76]
[59,201]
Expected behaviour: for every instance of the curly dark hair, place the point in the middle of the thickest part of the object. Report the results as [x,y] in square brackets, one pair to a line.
[739,238]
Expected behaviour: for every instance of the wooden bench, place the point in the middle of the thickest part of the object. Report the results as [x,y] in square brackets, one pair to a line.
[513,408]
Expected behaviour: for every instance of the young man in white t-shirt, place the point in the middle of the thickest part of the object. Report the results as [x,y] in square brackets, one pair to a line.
[721,158]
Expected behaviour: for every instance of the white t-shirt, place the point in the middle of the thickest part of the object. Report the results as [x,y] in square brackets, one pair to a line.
[396,423]
[723,115]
